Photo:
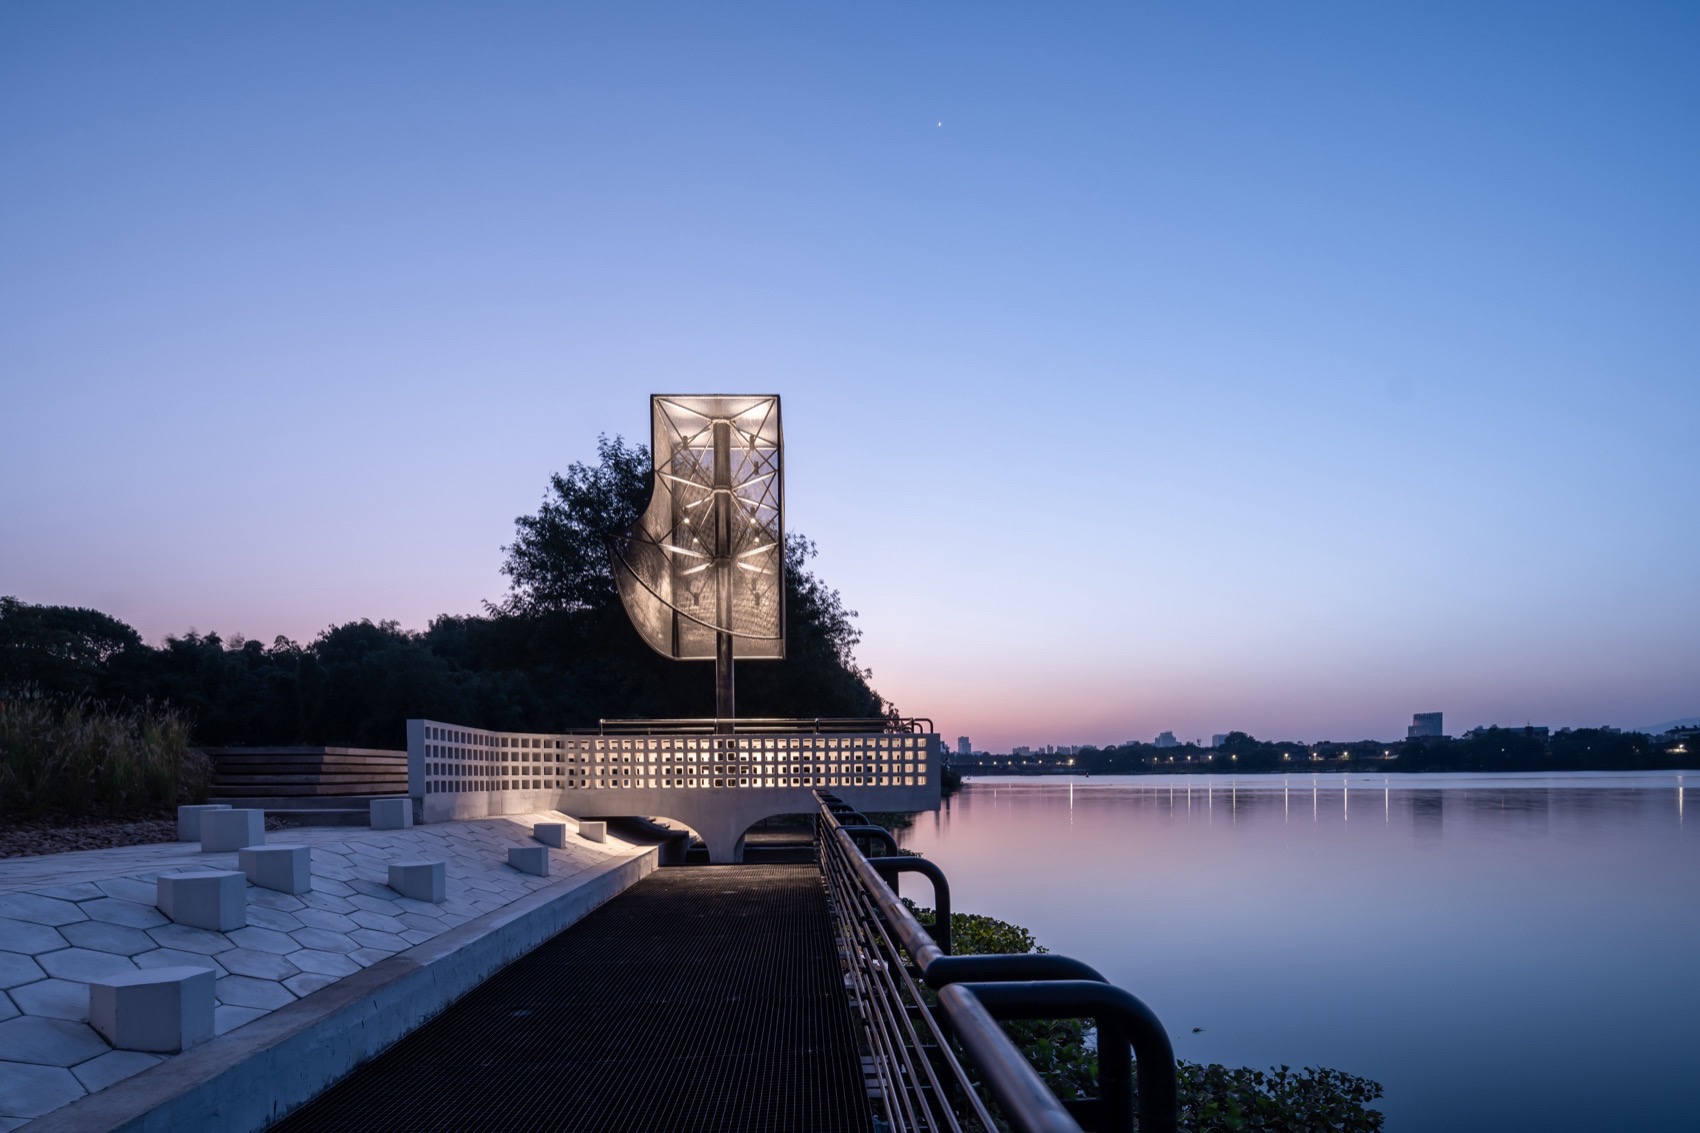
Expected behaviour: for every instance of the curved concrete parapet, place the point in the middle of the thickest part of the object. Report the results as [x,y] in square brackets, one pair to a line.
[720,786]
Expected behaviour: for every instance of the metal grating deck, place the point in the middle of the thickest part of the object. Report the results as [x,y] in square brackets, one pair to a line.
[702,999]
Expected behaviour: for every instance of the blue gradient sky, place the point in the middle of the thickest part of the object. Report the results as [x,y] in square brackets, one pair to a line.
[1284,367]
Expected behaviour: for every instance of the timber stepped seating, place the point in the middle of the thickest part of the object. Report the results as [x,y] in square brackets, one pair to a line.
[306,772]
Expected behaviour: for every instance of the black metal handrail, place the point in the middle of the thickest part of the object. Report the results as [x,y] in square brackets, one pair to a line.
[974,991]
[1124,1025]
[890,868]
[872,834]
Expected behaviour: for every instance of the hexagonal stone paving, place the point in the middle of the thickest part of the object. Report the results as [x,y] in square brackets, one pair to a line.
[58,934]
[54,999]
[113,1066]
[48,1042]
[30,938]
[36,909]
[30,1091]
[16,969]
[260,965]
[103,936]
[84,964]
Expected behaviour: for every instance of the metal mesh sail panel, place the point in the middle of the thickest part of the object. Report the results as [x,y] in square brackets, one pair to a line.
[708,554]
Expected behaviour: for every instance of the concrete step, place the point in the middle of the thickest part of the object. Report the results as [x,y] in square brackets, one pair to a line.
[347,810]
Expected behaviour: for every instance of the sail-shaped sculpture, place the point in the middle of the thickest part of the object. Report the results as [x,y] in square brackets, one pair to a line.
[702,571]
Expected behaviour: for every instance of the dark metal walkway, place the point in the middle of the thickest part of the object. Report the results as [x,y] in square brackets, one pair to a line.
[704,998]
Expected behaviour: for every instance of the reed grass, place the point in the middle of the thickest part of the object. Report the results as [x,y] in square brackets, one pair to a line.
[83,757]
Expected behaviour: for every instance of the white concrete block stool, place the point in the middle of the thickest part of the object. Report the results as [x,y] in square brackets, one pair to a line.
[423,881]
[287,869]
[391,814]
[189,820]
[162,1009]
[530,859]
[215,899]
[550,833]
[593,831]
[223,830]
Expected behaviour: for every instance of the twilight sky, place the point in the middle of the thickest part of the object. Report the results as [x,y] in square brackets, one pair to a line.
[1288,367]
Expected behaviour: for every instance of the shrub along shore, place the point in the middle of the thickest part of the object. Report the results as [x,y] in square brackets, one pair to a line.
[76,756]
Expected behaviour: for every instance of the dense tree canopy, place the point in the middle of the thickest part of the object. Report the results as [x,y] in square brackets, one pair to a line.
[557,652]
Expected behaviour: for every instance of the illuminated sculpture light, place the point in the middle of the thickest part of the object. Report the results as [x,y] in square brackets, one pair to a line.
[702,571]
[702,574]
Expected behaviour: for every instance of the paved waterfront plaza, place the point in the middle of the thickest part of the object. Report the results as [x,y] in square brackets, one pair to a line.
[68,919]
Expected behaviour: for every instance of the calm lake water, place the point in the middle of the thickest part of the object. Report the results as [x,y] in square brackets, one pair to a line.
[1501,952]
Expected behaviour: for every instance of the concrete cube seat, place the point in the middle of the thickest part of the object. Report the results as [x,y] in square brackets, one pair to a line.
[225,830]
[593,831]
[215,899]
[550,833]
[189,820]
[287,869]
[391,814]
[530,859]
[423,881]
[162,1009]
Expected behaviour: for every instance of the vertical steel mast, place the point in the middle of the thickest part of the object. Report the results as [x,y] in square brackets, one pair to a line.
[725,706]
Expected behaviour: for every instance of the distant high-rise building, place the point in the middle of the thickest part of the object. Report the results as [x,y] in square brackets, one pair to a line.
[1021,751]
[1423,725]
[964,746]
[1218,739]
[1167,739]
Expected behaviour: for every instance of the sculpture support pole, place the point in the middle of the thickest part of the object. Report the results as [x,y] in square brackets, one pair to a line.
[724,704]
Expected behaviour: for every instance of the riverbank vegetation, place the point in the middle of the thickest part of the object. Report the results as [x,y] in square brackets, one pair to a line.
[1488,749]
[71,755]
[1213,1098]
[556,652]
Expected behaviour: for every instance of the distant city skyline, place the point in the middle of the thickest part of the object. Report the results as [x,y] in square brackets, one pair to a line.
[1144,368]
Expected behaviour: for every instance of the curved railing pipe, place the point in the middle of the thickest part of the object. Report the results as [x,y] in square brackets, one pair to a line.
[1123,1021]
[873,834]
[1030,1104]
[889,868]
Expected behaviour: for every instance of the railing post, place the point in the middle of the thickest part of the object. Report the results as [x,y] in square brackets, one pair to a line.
[891,867]
[1122,1021]
[873,834]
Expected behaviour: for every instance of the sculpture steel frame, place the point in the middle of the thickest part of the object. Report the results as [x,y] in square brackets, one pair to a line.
[702,570]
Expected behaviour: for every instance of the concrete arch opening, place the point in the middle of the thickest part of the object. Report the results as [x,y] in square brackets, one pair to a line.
[676,836]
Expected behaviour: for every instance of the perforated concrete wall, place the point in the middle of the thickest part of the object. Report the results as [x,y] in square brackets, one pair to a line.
[717,785]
